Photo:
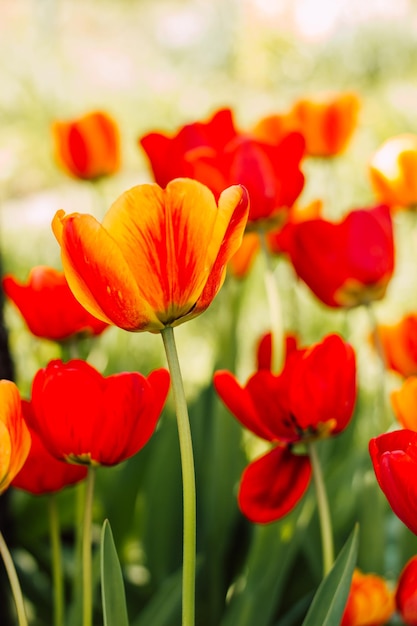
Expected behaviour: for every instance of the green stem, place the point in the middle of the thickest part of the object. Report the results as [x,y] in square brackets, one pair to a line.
[323,510]
[277,356]
[14,582]
[188,479]
[57,577]
[87,576]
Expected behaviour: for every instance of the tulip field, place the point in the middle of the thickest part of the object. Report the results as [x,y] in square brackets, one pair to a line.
[208,323]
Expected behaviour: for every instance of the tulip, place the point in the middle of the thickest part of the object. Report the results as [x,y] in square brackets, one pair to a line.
[42,473]
[86,418]
[327,122]
[394,457]
[307,401]
[404,403]
[393,171]
[406,593]
[399,344]
[159,257]
[14,435]
[48,306]
[345,264]
[88,147]
[169,155]
[370,601]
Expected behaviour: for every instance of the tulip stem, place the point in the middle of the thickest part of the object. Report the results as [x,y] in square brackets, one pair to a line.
[57,577]
[323,510]
[86,549]
[277,356]
[188,478]
[14,582]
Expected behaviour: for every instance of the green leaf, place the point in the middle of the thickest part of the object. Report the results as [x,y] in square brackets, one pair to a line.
[330,599]
[112,587]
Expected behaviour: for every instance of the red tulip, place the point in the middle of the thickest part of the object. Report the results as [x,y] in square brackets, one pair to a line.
[406,593]
[169,156]
[43,473]
[87,147]
[347,263]
[270,172]
[308,400]
[394,457]
[84,417]
[48,306]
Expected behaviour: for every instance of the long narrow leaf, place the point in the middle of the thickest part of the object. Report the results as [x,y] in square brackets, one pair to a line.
[330,599]
[112,587]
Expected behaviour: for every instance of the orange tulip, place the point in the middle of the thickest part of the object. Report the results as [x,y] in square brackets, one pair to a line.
[14,434]
[327,122]
[399,343]
[87,147]
[393,171]
[370,601]
[404,403]
[159,257]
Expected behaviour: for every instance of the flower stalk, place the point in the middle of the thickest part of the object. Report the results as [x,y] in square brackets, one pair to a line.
[188,478]
[14,582]
[323,510]
[86,549]
[277,357]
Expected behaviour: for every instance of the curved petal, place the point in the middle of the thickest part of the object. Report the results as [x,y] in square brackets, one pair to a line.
[15,438]
[406,593]
[404,403]
[240,403]
[272,485]
[99,275]
[394,457]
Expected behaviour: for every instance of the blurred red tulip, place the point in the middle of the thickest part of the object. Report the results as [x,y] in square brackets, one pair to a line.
[48,307]
[370,601]
[84,417]
[169,155]
[345,264]
[42,473]
[394,457]
[87,147]
[310,399]
[406,593]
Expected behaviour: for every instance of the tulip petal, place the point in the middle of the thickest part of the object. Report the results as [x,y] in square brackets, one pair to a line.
[394,457]
[98,274]
[273,484]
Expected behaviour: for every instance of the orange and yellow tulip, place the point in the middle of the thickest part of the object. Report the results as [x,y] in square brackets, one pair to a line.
[393,171]
[370,602]
[159,257]
[88,147]
[14,434]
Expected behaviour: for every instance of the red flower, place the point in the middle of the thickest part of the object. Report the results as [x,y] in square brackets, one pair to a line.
[370,601]
[270,172]
[43,473]
[347,263]
[169,156]
[84,417]
[406,593]
[87,147]
[308,400]
[394,457]
[48,306]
